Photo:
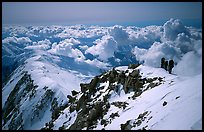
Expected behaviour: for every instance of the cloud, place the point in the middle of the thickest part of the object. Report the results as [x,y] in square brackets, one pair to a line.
[173,27]
[64,48]
[153,55]
[190,65]
[119,34]
[182,44]
[149,44]
[84,47]
[144,37]
[72,40]
[80,31]
[197,46]
[21,40]
[139,53]
[104,48]
[42,42]
[38,47]
[97,63]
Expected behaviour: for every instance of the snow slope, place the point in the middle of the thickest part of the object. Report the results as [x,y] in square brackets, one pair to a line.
[182,111]
[46,75]
[184,103]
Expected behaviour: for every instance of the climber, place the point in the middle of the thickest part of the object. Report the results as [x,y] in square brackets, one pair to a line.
[166,65]
[162,62]
[171,65]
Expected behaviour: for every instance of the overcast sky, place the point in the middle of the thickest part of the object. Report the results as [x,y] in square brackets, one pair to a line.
[97,12]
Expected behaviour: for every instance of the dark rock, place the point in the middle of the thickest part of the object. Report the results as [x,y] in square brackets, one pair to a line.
[112,76]
[138,84]
[139,122]
[80,102]
[126,126]
[120,104]
[121,78]
[113,115]
[135,73]
[93,84]
[74,92]
[72,108]
[160,79]
[177,97]
[165,103]
[71,99]
[151,85]
[96,112]
[133,66]
[84,87]
[103,122]
[104,79]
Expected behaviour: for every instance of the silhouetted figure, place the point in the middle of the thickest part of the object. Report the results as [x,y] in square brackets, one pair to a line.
[166,65]
[162,62]
[171,65]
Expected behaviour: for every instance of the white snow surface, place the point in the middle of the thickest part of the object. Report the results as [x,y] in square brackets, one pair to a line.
[182,112]
[45,74]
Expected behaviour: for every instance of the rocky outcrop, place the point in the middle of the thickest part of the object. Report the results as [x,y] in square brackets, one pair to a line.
[92,102]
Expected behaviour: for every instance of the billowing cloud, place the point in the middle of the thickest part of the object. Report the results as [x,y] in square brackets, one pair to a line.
[144,37]
[104,48]
[173,27]
[149,44]
[21,40]
[153,55]
[72,40]
[190,65]
[119,34]
[66,49]
[97,63]
[178,44]
[38,47]
[42,42]
[85,47]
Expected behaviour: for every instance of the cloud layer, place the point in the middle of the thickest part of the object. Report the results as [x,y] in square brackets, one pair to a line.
[97,45]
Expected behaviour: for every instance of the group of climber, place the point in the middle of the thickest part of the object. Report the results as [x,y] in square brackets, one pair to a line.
[167,65]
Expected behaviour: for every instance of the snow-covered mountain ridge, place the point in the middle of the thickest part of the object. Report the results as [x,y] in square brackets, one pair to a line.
[121,98]
[159,101]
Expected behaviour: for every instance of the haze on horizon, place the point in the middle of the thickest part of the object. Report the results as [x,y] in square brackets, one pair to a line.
[46,13]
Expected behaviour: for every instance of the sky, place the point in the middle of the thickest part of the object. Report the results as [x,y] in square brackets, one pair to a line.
[100,13]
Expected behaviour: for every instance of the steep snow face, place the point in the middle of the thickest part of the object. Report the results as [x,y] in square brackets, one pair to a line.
[174,104]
